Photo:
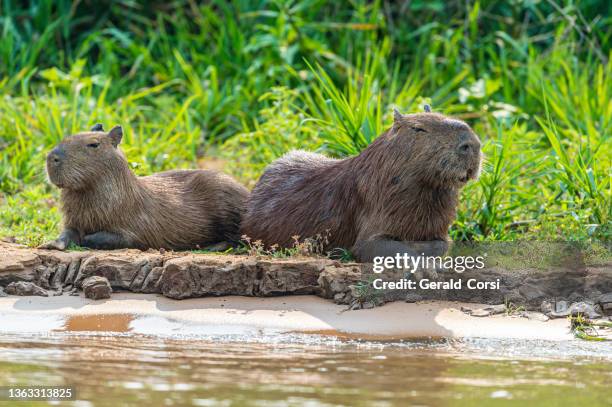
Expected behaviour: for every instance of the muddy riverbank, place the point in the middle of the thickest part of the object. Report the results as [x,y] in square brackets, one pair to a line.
[181,275]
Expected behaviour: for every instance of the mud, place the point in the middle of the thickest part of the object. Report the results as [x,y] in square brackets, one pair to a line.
[96,288]
[180,275]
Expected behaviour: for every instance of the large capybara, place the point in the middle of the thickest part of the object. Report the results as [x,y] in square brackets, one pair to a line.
[105,206]
[402,188]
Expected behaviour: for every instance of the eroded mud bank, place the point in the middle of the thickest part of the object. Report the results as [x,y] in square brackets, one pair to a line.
[188,275]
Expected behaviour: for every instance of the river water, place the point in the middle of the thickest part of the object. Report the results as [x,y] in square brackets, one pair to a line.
[119,368]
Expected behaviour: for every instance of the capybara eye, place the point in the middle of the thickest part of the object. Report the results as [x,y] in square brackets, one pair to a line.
[93,145]
[418,129]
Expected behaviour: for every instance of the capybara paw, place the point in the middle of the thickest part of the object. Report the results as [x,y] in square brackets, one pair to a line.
[53,245]
[103,241]
[218,247]
[92,242]
[430,273]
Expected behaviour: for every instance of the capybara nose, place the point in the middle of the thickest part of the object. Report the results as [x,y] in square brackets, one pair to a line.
[57,155]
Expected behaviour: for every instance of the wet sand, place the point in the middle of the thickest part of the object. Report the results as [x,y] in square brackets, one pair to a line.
[156,315]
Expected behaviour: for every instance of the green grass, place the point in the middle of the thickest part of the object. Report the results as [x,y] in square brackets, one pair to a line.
[246,81]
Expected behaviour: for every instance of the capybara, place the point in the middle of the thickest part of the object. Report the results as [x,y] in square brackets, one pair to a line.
[106,206]
[404,187]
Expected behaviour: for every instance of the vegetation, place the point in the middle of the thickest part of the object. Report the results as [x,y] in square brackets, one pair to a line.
[584,328]
[300,248]
[236,84]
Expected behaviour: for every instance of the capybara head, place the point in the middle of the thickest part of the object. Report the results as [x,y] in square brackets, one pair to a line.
[83,159]
[437,150]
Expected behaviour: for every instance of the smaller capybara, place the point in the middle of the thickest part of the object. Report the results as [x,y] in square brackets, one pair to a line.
[105,206]
[402,188]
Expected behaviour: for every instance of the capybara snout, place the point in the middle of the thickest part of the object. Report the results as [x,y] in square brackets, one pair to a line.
[469,150]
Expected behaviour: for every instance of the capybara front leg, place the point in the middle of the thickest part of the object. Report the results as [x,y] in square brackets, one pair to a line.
[64,240]
[105,241]
[385,246]
[366,250]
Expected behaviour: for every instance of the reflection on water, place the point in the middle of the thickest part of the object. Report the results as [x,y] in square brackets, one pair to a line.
[127,369]
[99,322]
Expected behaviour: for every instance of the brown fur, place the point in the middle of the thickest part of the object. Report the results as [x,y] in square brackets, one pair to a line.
[404,186]
[180,209]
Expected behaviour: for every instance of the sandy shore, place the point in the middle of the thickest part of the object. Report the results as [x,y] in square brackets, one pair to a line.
[156,315]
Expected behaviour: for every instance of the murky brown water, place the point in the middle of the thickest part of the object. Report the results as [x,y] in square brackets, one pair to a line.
[126,369]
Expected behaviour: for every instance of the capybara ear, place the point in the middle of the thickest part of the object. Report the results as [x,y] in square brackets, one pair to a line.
[427,108]
[116,134]
[97,127]
[397,116]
